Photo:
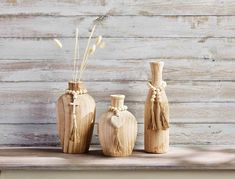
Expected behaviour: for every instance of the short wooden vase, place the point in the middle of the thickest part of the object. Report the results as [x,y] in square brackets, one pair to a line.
[75,118]
[156,117]
[117,129]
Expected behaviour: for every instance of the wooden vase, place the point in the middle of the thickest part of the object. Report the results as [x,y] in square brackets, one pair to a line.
[156,117]
[75,118]
[117,132]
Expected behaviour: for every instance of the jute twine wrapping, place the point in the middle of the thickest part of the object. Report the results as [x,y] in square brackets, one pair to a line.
[158,119]
[116,139]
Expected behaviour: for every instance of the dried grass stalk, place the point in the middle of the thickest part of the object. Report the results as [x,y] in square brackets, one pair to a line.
[90,50]
[76,55]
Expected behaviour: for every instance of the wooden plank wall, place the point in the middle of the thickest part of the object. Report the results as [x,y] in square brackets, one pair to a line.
[196,39]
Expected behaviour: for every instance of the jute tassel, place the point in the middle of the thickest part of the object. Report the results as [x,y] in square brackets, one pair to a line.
[117,141]
[158,119]
[117,123]
[74,137]
[74,134]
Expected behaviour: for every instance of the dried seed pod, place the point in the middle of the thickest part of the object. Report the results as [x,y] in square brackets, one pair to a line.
[58,43]
[98,40]
[102,45]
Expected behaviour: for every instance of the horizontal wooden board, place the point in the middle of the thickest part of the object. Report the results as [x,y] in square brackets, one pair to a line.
[113,70]
[190,134]
[122,48]
[119,26]
[51,159]
[135,91]
[37,113]
[130,7]
[196,40]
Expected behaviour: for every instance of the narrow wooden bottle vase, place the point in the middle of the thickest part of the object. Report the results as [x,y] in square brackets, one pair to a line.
[156,117]
[75,118]
[117,129]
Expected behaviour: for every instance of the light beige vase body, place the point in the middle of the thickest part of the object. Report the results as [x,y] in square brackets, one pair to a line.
[117,131]
[75,119]
[156,117]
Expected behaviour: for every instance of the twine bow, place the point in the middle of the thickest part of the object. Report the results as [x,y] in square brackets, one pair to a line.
[158,120]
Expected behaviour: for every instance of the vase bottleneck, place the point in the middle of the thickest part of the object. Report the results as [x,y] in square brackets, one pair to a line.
[117,100]
[76,85]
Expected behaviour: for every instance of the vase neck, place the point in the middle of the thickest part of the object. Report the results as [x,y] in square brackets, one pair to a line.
[156,72]
[76,86]
[117,100]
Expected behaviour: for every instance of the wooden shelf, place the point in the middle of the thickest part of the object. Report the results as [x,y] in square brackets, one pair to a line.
[178,158]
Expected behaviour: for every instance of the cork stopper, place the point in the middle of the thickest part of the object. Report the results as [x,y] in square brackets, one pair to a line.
[76,85]
[117,100]
[156,71]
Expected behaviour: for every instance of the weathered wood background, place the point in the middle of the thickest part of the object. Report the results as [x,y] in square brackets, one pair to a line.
[196,39]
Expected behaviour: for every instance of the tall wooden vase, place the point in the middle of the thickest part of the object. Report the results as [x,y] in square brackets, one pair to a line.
[156,122]
[75,118]
[117,129]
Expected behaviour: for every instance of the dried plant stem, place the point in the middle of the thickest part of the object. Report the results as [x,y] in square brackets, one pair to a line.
[76,55]
[84,65]
[85,56]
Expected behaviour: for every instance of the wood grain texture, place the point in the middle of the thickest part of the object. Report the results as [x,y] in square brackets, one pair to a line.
[116,70]
[156,113]
[123,48]
[128,26]
[41,113]
[185,157]
[125,174]
[186,91]
[130,7]
[117,131]
[180,134]
[75,132]
[195,39]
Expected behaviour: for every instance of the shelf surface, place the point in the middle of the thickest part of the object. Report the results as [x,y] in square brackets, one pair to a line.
[178,158]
